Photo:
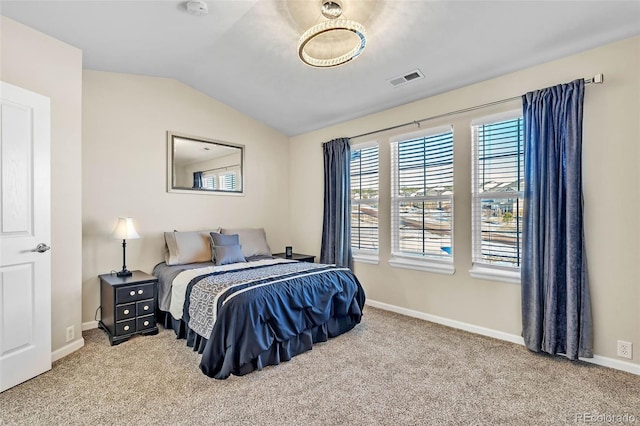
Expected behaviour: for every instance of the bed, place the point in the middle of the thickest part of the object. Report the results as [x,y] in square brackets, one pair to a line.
[243,309]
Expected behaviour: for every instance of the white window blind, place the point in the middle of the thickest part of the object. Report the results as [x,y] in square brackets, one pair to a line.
[498,184]
[210,182]
[223,181]
[228,181]
[364,198]
[422,196]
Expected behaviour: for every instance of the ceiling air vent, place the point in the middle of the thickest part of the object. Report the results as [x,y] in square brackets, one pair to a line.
[406,78]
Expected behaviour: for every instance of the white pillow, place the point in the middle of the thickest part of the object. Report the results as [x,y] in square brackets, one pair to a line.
[187,247]
[252,240]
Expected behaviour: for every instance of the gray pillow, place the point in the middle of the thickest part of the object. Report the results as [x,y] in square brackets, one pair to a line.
[228,254]
[224,240]
[252,240]
[218,240]
[187,247]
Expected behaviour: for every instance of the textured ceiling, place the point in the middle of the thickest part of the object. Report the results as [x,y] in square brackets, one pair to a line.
[243,53]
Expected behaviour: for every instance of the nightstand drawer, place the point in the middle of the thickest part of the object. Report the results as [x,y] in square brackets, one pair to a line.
[144,307]
[124,312]
[145,322]
[133,293]
[125,327]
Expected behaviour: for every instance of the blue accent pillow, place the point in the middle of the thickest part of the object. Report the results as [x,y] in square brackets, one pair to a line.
[225,255]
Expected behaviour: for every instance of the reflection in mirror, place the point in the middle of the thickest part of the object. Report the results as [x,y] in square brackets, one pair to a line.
[204,165]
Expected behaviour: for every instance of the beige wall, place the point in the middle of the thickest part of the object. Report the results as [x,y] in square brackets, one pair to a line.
[47,66]
[611,161]
[125,122]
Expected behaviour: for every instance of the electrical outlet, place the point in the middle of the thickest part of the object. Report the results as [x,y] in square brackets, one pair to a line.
[625,349]
[71,333]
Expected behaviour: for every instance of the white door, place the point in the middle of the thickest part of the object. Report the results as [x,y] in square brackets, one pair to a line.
[25,272]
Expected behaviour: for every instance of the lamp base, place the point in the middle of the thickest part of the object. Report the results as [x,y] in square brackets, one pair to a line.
[124,273]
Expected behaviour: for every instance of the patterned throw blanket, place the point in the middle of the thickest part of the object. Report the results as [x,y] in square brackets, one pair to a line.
[210,293]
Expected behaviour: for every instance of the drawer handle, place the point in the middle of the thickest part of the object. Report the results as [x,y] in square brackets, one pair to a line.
[126,327]
[140,291]
[146,323]
[146,307]
[126,311]
[132,293]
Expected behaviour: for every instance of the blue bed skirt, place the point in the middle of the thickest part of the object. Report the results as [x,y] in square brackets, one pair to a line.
[194,340]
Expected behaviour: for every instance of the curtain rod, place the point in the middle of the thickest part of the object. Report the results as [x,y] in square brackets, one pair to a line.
[221,168]
[597,79]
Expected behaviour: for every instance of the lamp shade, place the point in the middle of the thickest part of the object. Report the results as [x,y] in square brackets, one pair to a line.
[125,230]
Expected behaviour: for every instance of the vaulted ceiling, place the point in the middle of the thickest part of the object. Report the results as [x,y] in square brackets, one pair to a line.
[244,52]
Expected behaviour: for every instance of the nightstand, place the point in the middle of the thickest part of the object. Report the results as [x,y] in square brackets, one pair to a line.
[128,305]
[297,256]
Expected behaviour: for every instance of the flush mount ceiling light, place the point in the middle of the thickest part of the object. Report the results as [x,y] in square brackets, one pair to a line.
[333,42]
[197,8]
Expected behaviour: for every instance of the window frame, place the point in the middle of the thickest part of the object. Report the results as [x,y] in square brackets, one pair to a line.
[406,260]
[218,178]
[359,254]
[480,269]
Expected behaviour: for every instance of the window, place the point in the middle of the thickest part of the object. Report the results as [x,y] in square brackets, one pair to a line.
[422,200]
[228,181]
[223,180]
[497,189]
[364,202]
[210,182]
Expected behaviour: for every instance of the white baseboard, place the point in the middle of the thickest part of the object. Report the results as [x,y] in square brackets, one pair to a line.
[604,361]
[67,349]
[500,335]
[90,325]
[75,345]
[448,322]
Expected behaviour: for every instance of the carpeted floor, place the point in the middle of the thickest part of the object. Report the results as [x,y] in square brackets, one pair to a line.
[390,370]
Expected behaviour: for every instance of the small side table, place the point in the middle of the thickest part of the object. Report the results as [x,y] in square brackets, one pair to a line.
[128,305]
[297,256]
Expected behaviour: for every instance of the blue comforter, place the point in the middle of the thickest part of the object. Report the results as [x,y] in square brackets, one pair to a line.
[268,314]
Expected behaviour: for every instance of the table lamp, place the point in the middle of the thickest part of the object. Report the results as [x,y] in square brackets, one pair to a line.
[125,230]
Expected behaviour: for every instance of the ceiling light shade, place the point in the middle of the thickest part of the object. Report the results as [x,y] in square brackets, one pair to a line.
[327,35]
[197,8]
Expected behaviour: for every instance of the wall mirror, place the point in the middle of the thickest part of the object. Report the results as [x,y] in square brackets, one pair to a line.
[196,164]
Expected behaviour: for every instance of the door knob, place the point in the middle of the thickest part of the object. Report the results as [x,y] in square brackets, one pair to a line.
[42,247]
